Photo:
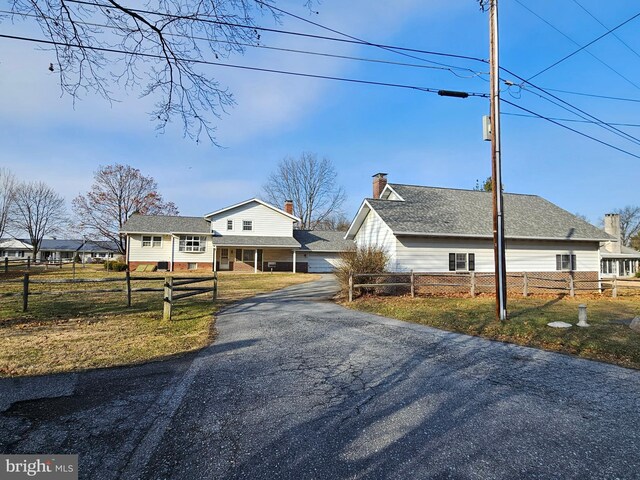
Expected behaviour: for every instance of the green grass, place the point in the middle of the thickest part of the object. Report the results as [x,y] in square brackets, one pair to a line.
[72,332]
[604,340]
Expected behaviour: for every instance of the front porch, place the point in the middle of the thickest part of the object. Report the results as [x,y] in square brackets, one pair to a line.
[253,258]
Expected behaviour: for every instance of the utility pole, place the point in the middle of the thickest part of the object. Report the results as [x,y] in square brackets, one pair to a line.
[499,249]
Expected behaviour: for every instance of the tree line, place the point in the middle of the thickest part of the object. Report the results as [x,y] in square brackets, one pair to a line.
[34,210]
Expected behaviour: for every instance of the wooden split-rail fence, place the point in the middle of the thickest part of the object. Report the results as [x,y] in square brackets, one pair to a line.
[182,285]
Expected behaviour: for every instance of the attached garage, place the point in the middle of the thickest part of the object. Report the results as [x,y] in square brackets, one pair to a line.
[321,249]
[322,262]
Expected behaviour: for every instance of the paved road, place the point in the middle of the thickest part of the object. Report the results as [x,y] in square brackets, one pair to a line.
[299,388]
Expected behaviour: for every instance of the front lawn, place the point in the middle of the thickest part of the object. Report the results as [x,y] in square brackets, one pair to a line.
[75,332]
[607,339]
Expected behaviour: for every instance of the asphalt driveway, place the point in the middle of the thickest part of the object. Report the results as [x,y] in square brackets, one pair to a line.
[298,387]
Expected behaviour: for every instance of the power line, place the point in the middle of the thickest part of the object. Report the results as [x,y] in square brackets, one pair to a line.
[601,123]
[583,46]
[570,119]
[242,67]
[569,128]
[261,46]
[616,36]
[608,97]
[584,115]
[359,40]
[300,34]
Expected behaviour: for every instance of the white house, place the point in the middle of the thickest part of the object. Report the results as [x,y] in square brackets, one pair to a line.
[249,236]
[431,229]
[616,258]
[13,248]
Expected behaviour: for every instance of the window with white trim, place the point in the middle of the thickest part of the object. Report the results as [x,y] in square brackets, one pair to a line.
[247,225]
[192,243]
[151,241]
[565,262]
[462,262]
[229,224]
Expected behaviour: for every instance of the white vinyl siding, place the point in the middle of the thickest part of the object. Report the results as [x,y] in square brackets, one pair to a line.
[265,221]
[138,253]
[428,254]
[374,231]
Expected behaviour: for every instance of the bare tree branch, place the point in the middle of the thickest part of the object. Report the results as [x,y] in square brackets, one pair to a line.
[173,34]
[629,223]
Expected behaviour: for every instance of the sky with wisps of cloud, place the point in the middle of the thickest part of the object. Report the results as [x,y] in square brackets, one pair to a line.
[416,137]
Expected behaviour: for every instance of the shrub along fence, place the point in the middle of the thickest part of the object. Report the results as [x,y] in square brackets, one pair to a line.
[473,283]
[169,286]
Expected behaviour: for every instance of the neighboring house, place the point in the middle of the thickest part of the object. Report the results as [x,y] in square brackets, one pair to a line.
[250,236]
[13,248]
[429,229]
[617,259]
[53,250]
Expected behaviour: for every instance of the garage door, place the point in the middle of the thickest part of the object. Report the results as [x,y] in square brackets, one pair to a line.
[322,262]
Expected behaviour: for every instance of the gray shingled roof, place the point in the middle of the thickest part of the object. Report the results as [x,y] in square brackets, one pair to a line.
[625,252]
[71,245]
[254,241]
[165,223]
[444,211]
[322,241]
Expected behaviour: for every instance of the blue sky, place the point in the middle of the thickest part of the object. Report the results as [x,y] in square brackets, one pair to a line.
[415,137]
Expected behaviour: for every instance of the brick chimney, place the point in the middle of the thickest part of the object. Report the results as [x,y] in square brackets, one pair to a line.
[379,182]
[288,206]
[612,227]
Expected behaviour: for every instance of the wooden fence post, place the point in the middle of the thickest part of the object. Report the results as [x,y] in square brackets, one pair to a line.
[168,296]
[25,292]
[351,286]
[215,286]
[525,285]
[614,291]
[572,290]
[6,264]
[472,280]
[128,279]
[28,263]
[413,284]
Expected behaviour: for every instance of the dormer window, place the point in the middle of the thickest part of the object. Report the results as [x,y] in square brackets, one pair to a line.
[229,224]
[247,225]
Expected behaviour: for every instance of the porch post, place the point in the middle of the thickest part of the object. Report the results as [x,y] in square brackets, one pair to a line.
[294,261]
[255,261]
[215,258]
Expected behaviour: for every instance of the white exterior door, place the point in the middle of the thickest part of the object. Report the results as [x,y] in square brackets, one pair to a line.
[224,259]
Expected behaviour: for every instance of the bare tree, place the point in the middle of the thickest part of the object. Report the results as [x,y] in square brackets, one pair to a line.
[7,193]
[118,191]
[38,211]
[629,223]
[337,223]
[164,49]
[311,184]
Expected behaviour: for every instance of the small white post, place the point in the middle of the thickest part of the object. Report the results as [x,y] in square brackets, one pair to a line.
[215,258]
[582,315]
[294,261]
[255,261]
